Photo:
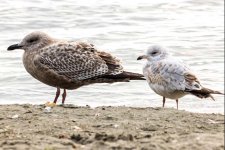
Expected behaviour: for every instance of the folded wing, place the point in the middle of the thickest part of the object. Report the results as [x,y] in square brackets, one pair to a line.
[77,61]
[175,76]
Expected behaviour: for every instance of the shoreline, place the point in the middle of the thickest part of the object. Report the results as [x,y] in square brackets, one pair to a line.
[130,106]
[74,127]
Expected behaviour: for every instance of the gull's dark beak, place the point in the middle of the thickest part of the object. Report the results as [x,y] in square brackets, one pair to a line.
[14,46]
[142,57]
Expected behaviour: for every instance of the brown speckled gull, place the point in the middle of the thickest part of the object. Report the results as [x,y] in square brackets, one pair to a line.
[69,65]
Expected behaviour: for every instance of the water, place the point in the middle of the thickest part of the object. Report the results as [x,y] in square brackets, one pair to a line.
[193,30]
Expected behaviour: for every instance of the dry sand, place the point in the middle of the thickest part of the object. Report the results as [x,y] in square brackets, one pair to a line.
[71,127]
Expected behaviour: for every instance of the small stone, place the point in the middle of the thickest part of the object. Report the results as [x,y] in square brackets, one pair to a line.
[15,116]
[47,109]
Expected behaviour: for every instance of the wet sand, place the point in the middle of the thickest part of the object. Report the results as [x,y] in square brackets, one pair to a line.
[72,127]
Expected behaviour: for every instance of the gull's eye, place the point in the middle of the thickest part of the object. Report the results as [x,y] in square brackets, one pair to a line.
[153,53]
[33,39]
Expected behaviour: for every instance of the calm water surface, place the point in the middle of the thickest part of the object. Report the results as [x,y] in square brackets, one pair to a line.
[193,30]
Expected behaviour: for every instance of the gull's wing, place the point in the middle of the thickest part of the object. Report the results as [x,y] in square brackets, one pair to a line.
[73,60]
[173,75]
[113,63]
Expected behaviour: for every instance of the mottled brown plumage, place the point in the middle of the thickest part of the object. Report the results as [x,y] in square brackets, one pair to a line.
[69,65]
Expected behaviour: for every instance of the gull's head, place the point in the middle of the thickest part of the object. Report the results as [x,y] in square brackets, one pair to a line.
[154,53]
[33,41]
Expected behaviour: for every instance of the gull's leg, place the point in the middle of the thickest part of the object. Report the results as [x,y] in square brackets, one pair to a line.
[164,100]
[56,95]
[63,96]
[177,103]
[52,104]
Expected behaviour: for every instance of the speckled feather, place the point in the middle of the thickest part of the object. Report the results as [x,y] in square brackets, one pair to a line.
[78,61]
[172,74]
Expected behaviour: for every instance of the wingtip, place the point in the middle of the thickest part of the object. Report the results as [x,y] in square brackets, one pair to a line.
[212,97]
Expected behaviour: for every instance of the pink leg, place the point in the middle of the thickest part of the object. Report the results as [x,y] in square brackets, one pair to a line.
[164,100]
[64,96]
[57,95]
[177,103]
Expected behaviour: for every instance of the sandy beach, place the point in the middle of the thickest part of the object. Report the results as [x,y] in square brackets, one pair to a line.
[72,127]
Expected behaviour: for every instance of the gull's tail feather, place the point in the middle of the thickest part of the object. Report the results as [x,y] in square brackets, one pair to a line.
[205,93]
[126,75]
